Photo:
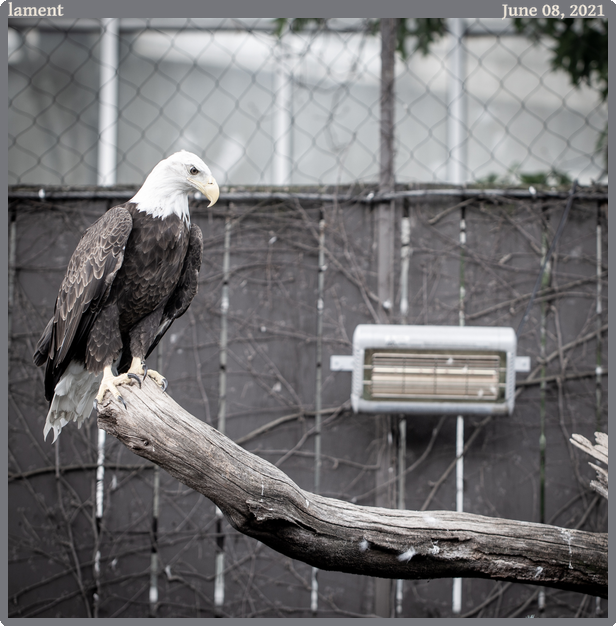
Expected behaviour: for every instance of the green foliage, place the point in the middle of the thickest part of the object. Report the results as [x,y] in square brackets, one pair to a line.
[580,44]
[580,47]
[425,30]
[553,177]
[602,144]
[514,176]
[297,23]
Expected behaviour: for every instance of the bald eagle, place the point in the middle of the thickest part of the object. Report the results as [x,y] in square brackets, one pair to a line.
[133,272]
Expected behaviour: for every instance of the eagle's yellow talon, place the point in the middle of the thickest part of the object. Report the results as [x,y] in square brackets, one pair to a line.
[110,384]
[135,377]
[139,370]
[159,379]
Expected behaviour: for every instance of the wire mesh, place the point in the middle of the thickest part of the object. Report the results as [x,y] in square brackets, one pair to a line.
[301,108]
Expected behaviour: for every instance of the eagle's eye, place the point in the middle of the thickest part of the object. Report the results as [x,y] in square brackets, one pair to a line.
[193,170]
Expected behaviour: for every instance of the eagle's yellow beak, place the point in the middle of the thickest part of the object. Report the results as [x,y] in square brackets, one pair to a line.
[209,189]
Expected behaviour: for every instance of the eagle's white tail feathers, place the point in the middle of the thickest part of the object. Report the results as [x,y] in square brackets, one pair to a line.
[73,398]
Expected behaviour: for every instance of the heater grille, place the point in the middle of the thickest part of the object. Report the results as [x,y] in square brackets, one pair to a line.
[405,375]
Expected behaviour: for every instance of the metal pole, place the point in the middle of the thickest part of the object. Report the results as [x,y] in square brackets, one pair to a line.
[107,144]
[405,255]
[155,512]
[545,282]
[314,596]
[319,372]
[457,582]
[219,576]
[599,312]
[224,309]
[12,272]
[456,126]
[384,589]
[154,551]
[401,499]
[283,119]
[405,259]
[599,363]
[386,210]
[108,103]
[100,496]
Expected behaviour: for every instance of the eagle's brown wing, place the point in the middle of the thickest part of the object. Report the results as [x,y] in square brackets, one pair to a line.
[83,292]
[186,288]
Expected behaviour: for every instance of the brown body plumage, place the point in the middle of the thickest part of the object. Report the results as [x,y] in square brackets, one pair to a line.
[133,272]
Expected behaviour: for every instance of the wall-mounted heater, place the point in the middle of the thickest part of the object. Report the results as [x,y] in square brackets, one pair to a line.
[433,369]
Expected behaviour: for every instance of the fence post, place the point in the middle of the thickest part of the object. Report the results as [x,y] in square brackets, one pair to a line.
[283,116]
[108,107]
[383,601]
[456,105]
[385,217]
[219,573]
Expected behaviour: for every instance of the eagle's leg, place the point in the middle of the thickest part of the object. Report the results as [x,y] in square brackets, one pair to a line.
[139,370]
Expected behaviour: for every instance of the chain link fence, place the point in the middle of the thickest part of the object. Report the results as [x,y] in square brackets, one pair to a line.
[301,108]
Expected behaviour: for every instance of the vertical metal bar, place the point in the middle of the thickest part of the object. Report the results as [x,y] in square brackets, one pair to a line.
[401,499]
[599,363]
[314,591]
[100,476]
[155,510]
[219,577]
[462,300]
[384,590]
[99,500]
[107,155]
[12,273]
[154,550]
[283,116]
[386,210]
[314,596]
[319,372]
[385,259]
[219,569]
[456,605]
[456,126]
[387,103]
[599,312]
[405,255]
[108,102]
[457,582]
[224,309]
[545,282]
[542,352]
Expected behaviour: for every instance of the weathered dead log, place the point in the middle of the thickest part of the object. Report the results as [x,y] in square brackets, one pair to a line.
[260,501]
[600,452]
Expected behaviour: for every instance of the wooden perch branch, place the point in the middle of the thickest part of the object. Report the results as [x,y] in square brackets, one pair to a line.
[600,452]
[260,501]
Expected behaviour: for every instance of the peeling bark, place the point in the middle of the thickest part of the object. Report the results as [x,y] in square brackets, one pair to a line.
[600,452]
[260,501]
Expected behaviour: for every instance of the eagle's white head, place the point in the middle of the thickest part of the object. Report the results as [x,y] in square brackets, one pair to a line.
[165,190]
